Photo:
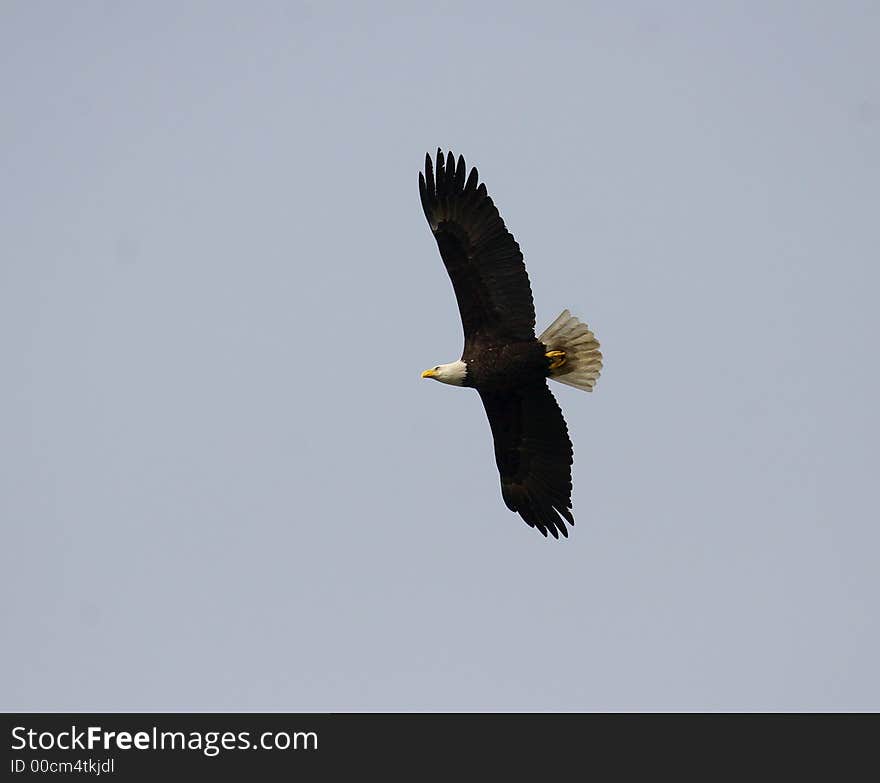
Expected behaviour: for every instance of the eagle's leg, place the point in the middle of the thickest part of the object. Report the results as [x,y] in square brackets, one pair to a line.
[557,359]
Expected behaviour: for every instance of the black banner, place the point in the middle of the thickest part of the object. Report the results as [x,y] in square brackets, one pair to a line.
[134,746]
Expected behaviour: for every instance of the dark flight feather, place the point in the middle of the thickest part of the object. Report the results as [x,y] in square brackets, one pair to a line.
[534,455]
[482,258]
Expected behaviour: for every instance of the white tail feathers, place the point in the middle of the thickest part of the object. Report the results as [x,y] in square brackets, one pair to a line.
[583,361]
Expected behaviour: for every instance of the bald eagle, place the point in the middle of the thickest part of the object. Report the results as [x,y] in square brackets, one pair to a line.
[502,358]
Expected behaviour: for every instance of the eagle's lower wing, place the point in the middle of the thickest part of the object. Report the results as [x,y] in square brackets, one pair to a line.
[534,455]
[481,256]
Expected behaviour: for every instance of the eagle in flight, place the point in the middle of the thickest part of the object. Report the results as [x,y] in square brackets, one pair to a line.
[502,358]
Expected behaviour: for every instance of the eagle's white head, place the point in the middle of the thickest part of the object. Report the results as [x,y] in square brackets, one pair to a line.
[453,373]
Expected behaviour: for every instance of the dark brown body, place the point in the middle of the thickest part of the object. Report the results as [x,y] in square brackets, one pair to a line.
[492,366]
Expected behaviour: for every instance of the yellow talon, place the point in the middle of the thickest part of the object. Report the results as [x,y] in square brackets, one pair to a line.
[557,359]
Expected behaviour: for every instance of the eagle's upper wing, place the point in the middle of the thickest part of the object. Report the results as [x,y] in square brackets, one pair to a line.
[534,455]
[482,258]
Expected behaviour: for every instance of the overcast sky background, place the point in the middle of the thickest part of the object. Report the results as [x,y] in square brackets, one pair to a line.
[223,484]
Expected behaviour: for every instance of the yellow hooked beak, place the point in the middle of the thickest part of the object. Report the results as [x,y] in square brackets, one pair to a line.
[429,374]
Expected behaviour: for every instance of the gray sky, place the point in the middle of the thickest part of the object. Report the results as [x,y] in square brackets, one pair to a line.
[224,486]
